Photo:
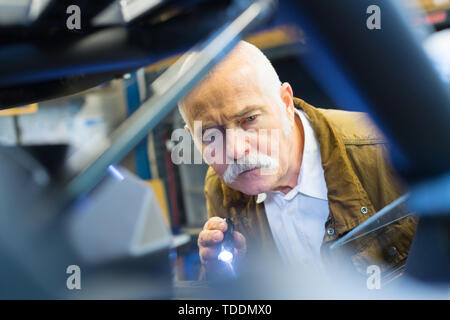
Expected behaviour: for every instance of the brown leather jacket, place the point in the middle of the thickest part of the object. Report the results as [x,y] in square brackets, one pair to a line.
[360,182]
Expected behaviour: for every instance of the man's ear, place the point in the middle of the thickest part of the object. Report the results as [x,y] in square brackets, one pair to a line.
[287,97]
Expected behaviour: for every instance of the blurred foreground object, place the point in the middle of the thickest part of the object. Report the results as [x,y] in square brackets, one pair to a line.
[89,214]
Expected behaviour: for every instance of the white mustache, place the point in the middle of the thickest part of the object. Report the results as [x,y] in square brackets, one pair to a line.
[250,162]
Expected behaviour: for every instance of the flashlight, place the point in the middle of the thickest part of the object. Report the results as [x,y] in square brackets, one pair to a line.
[227,244]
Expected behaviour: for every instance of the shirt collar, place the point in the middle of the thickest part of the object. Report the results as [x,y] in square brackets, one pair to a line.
[311,180]
[345,192]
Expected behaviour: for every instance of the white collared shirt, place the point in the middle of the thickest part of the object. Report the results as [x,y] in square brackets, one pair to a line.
[297,219]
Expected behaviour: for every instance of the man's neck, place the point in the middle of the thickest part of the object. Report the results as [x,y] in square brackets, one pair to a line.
[289,181]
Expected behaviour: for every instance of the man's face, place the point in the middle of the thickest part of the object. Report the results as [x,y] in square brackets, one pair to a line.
[241,123]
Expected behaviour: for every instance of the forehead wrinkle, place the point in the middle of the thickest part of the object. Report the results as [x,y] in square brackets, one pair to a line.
[244,62]
[226,91]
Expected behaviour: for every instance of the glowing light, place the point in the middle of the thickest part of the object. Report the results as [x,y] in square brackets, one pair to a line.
[225,256]
[115,172]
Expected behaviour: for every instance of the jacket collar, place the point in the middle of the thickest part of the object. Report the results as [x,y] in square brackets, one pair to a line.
[346,196]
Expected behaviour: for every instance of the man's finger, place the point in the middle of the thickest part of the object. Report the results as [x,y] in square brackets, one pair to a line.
[208,253]
[208,238]
[216,223]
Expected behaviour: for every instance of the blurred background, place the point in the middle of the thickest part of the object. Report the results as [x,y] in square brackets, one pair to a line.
[70,117]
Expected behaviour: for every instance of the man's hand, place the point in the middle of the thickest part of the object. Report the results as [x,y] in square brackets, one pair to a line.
[209,243]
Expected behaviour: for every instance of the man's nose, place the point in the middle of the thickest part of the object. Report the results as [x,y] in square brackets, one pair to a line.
[236,143]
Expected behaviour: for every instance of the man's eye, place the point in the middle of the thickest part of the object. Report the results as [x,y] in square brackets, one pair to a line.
[251,118]
[210,135]
[208,138]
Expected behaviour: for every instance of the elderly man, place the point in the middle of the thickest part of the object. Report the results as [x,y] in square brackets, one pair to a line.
[325,173]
